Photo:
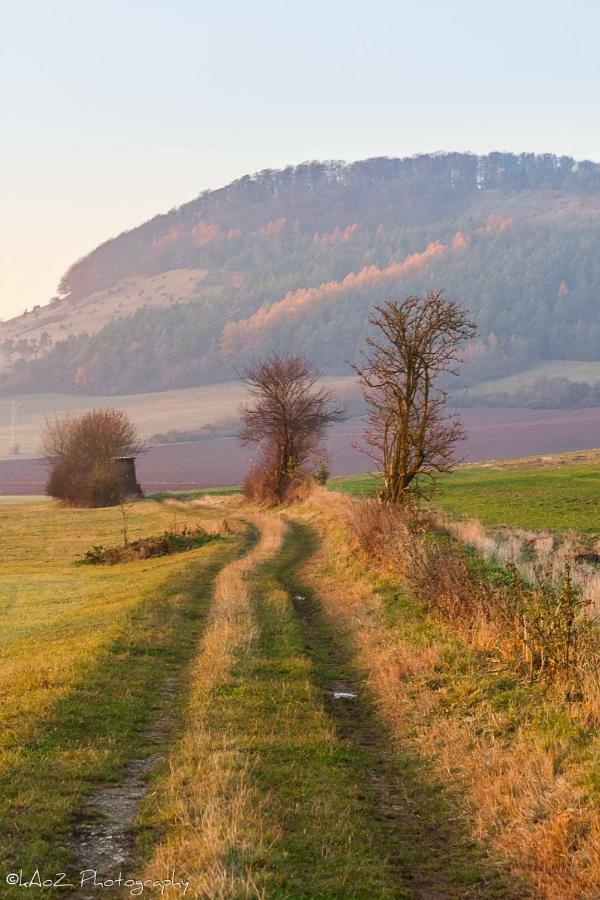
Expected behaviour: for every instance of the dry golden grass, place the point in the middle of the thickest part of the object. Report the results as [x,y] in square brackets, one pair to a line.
[215,812]
[522,796]
[532,551]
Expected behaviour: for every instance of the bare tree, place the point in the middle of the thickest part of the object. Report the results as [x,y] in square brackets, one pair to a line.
[409,435]
[82,454]
[287,417]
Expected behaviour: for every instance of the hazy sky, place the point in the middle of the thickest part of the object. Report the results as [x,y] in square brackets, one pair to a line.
[114,110]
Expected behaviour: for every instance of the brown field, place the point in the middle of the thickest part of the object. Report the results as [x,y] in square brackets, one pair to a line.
[152,413]
[492,434]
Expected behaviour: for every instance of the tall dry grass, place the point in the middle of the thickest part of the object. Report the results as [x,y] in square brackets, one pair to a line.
[216,826]
[532,552]
[537,613]
[519,792]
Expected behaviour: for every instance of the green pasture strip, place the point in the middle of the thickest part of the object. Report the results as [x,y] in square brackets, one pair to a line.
[550,498]
[544,498]
[355,485]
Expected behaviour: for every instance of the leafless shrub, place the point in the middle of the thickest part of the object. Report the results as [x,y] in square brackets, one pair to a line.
[83,456]
[287,419]
[384,533]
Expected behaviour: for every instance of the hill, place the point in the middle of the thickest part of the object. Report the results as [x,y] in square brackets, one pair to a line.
[298,257]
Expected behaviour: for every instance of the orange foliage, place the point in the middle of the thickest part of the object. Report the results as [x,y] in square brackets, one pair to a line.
[204,232]
[171,237]
[272,228]
[459,242]
[336,235]
[245,333]
[496,223]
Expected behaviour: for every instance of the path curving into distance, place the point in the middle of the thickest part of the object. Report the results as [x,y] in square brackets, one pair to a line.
[104,840]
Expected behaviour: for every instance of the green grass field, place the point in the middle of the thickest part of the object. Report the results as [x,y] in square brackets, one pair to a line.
[546,499]
[83,652]
[527,495]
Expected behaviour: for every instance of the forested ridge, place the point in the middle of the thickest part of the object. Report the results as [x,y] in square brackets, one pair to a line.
[297,257]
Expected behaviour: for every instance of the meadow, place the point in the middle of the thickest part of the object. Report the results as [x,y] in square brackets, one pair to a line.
[541,493]
[83,653]
[279,714]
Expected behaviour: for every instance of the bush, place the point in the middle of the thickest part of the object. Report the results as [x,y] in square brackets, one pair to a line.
[171,541]
[84,456]
[543,622]
[262,485]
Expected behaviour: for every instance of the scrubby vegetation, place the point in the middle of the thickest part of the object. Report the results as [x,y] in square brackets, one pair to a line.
[174,540]
[543,622]
[86,458]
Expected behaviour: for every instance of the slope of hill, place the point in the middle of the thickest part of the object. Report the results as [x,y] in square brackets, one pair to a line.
[299,256]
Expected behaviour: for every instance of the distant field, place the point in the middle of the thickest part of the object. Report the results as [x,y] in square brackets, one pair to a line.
[557,368]
[538,494]
[492,434]
[152,413]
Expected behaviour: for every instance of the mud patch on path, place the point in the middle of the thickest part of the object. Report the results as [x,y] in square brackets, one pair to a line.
[104,837]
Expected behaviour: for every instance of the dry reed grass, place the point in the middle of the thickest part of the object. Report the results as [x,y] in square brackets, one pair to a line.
[531,552]
[521,796]
[216,824]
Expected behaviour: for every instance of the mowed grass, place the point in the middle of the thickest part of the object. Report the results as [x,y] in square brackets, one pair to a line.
[543,497]
[83,653]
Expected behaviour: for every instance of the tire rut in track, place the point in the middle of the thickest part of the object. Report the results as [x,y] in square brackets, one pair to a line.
[397,788]
[104,837]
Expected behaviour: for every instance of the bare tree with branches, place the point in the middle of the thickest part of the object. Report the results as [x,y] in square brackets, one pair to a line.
[409,435]
[287,417]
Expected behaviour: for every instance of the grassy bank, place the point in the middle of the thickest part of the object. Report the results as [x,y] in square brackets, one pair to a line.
[467,709]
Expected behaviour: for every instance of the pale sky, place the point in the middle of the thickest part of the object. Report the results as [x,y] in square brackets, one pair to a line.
[115,110]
